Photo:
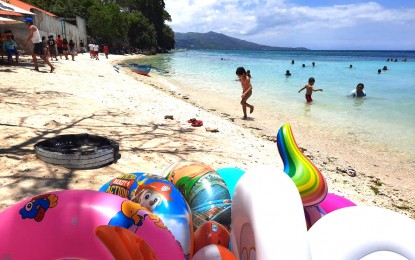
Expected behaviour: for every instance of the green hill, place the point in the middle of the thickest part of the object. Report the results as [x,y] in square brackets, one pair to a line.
[218,41]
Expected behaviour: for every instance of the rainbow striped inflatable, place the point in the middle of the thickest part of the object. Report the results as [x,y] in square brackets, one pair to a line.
[308,179]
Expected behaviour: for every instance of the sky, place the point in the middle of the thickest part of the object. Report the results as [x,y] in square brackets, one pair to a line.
[313,24]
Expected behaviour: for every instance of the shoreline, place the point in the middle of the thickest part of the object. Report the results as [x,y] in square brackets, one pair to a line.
[333,154]
[89,96]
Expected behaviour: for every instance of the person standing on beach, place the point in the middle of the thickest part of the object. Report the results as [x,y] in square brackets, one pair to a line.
[59,45]
[91,49]
[72,50]
[106,50]
[310,89]
[65,47]
[34,37]
[81,46]
[96,51]
[52,48]
[246,90]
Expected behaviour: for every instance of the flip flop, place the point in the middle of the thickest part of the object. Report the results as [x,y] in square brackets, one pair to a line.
[191,120]
[197,123]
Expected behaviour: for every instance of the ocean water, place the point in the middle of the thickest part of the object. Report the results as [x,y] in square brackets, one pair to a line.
[385,117]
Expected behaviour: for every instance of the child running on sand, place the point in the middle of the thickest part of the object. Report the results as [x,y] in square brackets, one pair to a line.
[310,89]
[246,90]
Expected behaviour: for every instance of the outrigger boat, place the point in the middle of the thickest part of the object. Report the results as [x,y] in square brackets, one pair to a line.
[140,69]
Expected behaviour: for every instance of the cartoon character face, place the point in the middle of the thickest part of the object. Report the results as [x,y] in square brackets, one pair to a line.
[37,207]
[149,199]
[151,195]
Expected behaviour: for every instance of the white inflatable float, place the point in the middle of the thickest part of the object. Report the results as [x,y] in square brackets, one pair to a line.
[268,223]
[356,232]
[268,217]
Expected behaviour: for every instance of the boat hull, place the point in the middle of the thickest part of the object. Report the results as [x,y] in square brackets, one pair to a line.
[141,69]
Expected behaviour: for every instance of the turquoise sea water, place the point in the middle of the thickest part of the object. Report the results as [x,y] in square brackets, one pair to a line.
[385,116]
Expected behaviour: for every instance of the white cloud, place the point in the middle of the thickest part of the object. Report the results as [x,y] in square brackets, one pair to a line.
[274,22]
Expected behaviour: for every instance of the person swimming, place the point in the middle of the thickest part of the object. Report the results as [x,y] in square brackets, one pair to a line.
[287,73]
[358,92]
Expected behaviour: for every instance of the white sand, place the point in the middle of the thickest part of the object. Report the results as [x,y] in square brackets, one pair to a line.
[89,96]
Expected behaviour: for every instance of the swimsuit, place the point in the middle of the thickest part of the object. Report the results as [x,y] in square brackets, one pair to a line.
[308,98]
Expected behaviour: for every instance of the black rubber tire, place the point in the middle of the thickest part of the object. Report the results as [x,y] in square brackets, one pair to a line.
[78,151]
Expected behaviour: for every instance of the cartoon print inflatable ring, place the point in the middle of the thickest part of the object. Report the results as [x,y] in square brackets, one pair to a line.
[61,224]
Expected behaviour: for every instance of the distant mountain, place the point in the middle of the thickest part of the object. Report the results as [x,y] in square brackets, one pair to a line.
[218,41]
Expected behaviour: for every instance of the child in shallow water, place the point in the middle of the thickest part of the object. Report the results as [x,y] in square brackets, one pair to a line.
[246,90]
[310,89]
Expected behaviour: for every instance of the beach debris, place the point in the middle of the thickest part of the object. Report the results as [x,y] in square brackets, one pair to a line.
[225,114]
[270,138]
[197,123]
[169,117]
[211,129]
[348,170]
[185,97]
[52,123]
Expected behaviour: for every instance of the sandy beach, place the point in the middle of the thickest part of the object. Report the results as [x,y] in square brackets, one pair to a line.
[89,96]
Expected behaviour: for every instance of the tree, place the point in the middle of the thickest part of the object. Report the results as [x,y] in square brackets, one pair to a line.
[137,23]
[108,24]
[141,33]
[167,39]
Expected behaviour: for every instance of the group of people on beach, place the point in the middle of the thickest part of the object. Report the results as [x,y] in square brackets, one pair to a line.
[54,47]
[244,76]
[94,50]
[48,47]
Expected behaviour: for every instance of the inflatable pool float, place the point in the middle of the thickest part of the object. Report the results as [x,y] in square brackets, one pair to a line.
[211,233]
[230,176]
[124,244]
[61,224]
[267,217]
[160,197]
[215,252]
[309,181]
[355,232]
[204,190]
[334,202]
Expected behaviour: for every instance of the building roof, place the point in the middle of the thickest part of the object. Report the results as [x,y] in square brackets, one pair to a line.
[28,7]
[3,12]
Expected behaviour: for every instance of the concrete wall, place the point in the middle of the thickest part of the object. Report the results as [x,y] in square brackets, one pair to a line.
[48,25]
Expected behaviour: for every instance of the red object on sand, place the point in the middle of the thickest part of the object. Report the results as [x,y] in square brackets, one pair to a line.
[197,123]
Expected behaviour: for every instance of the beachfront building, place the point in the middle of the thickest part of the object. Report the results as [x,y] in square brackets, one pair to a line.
[46,22]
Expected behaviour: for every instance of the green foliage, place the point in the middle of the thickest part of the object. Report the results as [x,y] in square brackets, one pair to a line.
[141,32]
[167,39]
[119,23]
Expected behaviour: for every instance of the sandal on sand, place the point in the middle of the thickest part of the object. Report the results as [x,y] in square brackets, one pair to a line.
[191,120]
[197,123]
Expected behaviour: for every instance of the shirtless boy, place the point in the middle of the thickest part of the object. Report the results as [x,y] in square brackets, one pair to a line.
[310,89]
[246,90]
